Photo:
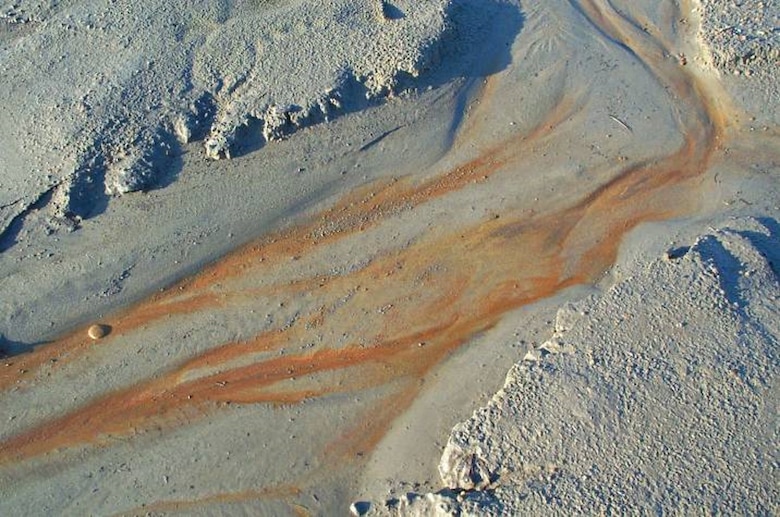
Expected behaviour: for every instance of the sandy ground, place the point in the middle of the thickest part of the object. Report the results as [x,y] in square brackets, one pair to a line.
[659,393]
[299,327]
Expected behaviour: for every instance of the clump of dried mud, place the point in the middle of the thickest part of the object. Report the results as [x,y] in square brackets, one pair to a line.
[77,129]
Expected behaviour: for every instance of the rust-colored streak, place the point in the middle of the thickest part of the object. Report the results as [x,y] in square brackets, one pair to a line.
[182,505]
[364,437]
[409,308]
[350,215]
[358,211]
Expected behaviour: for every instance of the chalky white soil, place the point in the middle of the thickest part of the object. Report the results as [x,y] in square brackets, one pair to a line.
[660,393]
[101,95]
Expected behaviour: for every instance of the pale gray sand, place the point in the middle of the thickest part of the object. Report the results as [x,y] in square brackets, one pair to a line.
[743,46]
[200,209]
[614,113]
[101,94]
[742,37]
[658,395]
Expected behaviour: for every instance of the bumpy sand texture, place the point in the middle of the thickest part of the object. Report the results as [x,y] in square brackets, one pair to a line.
[99,92]
[744,36]
[743,42]
[604,417]
[299,328]
[658,394]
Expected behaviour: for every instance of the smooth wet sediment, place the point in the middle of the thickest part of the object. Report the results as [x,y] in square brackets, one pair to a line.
[381,327]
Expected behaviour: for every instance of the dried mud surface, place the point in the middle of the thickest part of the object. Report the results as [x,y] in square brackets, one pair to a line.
[274,378]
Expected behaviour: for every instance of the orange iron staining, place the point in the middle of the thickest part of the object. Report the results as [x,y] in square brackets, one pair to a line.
[387,324]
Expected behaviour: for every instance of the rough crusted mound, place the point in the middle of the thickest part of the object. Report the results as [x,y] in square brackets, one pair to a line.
[742,36]
[101,93]
[659,396]
[742,43]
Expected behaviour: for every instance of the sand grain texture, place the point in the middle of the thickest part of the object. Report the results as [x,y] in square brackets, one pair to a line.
[603,418]
[386,267]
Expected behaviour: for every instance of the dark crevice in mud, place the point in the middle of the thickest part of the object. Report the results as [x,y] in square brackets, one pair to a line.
[474,30]
[9,236]
[459,501]
[677,253]
[729,268]
[475,43]
[9,348]
[391,12]
[767,245]
[378,139]
[203,112]
[351,96]
[9,205]
[86,192]
[725,265]
[480,41]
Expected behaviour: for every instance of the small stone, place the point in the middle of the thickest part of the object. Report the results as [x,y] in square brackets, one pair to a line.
[98,331]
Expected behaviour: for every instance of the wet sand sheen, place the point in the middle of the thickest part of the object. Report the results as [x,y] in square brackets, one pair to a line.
[440,290]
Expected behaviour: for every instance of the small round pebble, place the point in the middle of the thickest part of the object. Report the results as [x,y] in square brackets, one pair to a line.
[97,331]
